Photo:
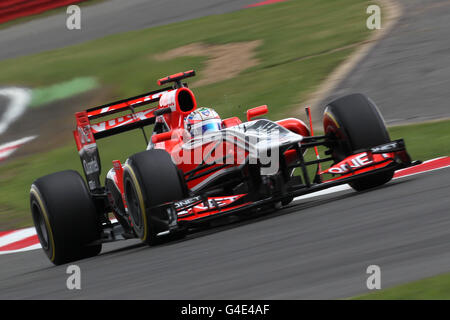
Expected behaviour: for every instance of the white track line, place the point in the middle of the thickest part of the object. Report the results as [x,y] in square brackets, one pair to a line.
[19,100]
[340,188]
[9,148]
[17,236]
[30,248]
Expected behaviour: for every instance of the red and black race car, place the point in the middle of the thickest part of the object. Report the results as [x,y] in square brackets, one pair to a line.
[181,181]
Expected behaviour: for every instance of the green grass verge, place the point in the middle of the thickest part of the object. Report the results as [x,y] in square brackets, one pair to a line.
[434,288]
[61,91]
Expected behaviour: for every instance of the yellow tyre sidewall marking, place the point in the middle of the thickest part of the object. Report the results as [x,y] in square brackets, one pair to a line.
[330,115]
[38,197]
[140,197]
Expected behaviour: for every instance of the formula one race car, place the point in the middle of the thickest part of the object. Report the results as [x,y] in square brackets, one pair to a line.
[182,180]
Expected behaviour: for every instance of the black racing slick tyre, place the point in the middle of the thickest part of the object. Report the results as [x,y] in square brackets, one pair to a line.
[65,217]
[354,123]
[151,179]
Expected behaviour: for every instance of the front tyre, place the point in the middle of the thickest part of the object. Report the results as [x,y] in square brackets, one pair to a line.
[65,217]
[354,123]
[151,179]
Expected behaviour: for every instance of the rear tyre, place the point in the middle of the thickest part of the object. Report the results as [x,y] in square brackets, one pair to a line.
[65,217]
[150,179]
[354,123]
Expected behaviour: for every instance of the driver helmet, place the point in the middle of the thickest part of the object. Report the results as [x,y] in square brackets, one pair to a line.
[202,120]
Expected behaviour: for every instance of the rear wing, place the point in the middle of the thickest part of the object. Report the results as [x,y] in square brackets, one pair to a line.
[127,122]
[87,131]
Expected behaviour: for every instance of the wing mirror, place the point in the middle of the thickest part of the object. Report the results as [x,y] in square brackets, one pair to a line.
[256,112]
[161,137]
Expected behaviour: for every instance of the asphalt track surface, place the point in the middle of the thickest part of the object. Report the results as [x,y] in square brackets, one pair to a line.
[408,72]
[317,248]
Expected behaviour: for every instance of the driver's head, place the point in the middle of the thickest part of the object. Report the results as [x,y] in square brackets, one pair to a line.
[202,120]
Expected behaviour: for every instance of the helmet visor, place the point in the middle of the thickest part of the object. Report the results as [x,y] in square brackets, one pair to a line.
[206,126]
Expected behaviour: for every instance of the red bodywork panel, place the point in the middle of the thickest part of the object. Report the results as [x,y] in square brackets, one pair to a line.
[211,206]
[359,163]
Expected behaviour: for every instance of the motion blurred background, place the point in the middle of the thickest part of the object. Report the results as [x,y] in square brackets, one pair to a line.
[246,53]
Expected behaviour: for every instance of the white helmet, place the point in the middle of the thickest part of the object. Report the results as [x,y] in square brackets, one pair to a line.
[201,121]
